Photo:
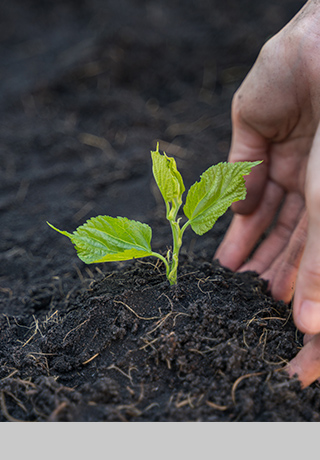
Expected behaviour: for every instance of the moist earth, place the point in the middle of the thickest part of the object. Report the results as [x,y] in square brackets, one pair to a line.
[88,89]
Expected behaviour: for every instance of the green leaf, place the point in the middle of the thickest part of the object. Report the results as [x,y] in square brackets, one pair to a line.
[167,177]
[108,239]
[219,187]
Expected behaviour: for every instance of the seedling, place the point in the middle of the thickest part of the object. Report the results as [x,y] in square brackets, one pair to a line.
[109,239]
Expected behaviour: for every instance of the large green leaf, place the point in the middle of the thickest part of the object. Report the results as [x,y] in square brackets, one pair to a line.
[107,239]
[219,187]
[167,177]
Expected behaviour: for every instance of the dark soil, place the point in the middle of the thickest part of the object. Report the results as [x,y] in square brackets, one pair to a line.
[87,89]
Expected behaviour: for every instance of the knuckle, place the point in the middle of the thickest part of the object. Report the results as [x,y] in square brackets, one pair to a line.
[268,48]
[236,106]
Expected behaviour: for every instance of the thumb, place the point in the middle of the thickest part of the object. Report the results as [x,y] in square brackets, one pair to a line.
[306,307]
[248,145]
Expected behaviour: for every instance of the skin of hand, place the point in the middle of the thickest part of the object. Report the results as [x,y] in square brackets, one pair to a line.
[275,118]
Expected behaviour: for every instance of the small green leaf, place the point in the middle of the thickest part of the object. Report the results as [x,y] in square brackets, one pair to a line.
[108,239]
[167,177]
[219,187]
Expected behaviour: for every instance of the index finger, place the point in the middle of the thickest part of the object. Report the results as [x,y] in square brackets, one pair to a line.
[248,145]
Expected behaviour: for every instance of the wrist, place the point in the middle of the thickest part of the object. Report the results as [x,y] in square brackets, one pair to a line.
[300,40]
[308,18]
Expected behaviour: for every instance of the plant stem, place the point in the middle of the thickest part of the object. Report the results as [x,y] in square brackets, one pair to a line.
[177,241]
[171,262]
[177,234]
[164,260]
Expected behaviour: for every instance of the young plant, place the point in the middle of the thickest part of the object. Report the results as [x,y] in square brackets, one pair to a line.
[108,239]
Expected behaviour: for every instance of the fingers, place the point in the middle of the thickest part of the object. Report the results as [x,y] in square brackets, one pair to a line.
[306,364]
[277,259]
[306,307]
[280,235]
[282,273]
[245,231]
[248,145]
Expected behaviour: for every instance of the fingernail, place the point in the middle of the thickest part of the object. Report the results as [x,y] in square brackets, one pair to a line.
[309,316]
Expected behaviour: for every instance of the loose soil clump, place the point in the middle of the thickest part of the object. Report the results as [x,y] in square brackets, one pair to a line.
[133,348]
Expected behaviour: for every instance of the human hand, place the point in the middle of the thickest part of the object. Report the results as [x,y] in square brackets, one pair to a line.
[275,117]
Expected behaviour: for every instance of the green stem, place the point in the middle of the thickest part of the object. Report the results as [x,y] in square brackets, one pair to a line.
[186,225]
[164,260]
[177,234]
[177,241]
[171,263]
